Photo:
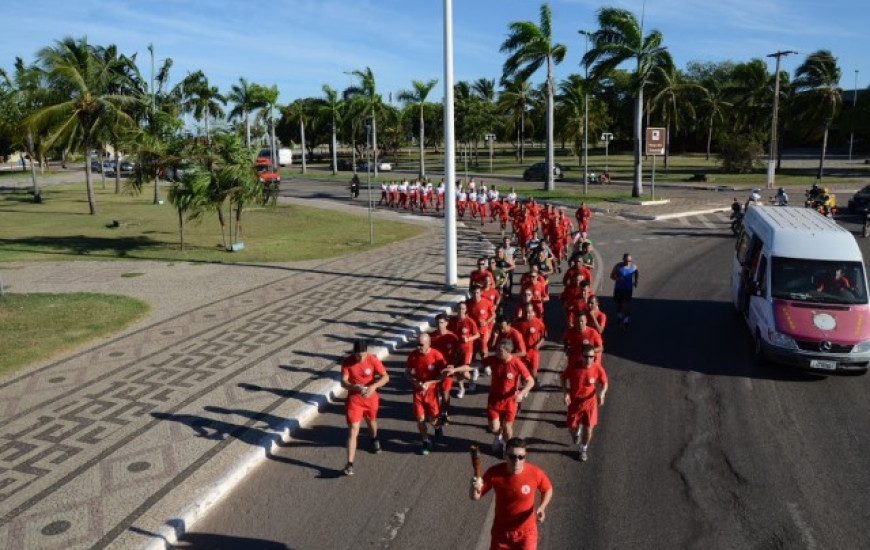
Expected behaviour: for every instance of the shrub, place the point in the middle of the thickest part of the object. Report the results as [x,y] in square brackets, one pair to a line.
[739,154]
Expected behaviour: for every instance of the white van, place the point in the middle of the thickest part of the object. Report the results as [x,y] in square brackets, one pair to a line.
[285,156]
[799,279]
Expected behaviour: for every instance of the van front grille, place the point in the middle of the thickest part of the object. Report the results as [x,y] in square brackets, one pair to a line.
[810,345]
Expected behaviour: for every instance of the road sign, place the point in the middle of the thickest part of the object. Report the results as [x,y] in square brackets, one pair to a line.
[655,141]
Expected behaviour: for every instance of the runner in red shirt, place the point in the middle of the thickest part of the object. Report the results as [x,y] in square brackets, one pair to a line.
[482,272]
[423,370]
[465,328]
[574,268]
[583,214]
[488,291]
[577,305]
[510,384]
[504,331]
[483,312]
[361,375]
[448,344]
[595,318]
[533,332]
[580,383]
[579,335]
[527,296]
[515,483]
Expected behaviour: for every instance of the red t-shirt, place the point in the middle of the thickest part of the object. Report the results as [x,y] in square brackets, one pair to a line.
[506,377]
[481,311]
[532,331]
[447,343]
[582,382]
[583,213]
[466,328]
[538,307]
[426,366]
[490,294]
[362,372]
[576,339]
[479,275]
[515,496]
[539,289]
[515,337]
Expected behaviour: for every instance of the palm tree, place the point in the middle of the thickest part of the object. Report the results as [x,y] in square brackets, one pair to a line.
[331,108]
[365,99]
[202,100]
[24,93]
[417,97]
[268,95]
[189,196]
[246,99]
[714,99]
[620,38]
[668,86]
[83,103]
[817,87]
[298,112]
[513,102]
[530,47]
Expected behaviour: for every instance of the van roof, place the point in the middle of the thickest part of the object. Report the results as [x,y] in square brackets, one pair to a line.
[793,232]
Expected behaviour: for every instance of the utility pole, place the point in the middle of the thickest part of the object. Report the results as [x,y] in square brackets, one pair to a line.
[771,161]
[586,117]
[450,261]
[854,114]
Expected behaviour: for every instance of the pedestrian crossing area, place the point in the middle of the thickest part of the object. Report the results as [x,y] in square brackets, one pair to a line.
[683,226]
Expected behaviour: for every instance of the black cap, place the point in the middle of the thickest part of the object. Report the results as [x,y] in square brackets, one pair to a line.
[360,346]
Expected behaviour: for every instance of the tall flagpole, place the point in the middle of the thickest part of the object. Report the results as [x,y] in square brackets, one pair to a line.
[450,267]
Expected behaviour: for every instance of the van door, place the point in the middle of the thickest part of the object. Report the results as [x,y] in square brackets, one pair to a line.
[758,306]
[749,263]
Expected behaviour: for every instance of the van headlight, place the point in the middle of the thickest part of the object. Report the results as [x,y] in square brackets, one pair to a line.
[781,340]
[862,347]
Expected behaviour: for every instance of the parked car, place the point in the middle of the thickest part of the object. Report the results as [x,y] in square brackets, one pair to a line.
[860,201]
[538,172]
[344,164]
[96,167]
[175,173]
[127,168]
[382,166]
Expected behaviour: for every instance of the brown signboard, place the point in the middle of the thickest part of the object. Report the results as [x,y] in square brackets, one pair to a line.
[655,141]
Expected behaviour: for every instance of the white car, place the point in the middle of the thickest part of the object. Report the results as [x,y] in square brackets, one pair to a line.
[385,167]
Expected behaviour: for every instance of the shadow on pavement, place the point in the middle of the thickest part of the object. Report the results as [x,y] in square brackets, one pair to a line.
[209,541]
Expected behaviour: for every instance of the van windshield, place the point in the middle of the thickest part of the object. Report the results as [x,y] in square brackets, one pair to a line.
[818,281]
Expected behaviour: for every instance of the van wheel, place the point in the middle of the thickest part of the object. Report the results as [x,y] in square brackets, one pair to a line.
[758,351]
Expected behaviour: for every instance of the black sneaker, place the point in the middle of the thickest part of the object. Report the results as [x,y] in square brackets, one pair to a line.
[376,446]
[348,469]
[439,433]
[424,448]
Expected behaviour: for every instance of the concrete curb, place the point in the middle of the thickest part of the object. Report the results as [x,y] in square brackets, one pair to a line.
[653,217]
[207,497]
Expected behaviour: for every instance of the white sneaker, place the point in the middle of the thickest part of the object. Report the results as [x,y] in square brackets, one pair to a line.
[460,393]
[487,371]
[475,374]
[577,438]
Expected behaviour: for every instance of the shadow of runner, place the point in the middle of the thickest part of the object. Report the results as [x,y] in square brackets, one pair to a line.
[209,541]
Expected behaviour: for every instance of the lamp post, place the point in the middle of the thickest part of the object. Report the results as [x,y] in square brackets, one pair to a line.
[369,179]
[771,161]
[491,139]
[585,117]
[607,137]
[450,262]
[854,114]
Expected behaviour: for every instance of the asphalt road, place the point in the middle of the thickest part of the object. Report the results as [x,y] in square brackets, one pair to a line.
[696,447]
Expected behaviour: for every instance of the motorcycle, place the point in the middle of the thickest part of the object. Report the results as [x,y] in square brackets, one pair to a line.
[823,202]
[736,217]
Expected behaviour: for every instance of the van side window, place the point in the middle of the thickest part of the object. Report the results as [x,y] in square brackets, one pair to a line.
[743,247]
[761,276]
[750,262]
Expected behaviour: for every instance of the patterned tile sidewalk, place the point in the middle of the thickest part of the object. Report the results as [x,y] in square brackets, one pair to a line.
[105,445]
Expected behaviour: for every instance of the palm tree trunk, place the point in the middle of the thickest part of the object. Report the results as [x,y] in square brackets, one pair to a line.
[207,132]
[92,197]
[31,152]
[247,129]
[824,151]
[709,136]
[117,169]
[637,186]
[223,224]
[667,142]
[334,147]
[181,229]
[523,137]
[302,137]
[422,153]
[156,183]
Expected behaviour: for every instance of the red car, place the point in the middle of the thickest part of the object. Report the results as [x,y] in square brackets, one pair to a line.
[266,172]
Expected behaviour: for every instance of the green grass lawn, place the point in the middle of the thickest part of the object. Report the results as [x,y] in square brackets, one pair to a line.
[37,326]
[61,229]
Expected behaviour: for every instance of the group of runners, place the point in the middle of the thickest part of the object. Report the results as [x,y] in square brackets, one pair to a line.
[498,333]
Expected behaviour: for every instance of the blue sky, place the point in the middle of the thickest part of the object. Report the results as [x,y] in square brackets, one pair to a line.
[302,44]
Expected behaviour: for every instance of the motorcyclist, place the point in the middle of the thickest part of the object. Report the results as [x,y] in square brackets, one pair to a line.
[814,193]
[354,186]
[781,198]
[753,200]
[736,208]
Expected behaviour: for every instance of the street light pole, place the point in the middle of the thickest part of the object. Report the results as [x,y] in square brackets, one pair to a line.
[854,114]
[585,117]
[369,181]
[771,161]
[450,262]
